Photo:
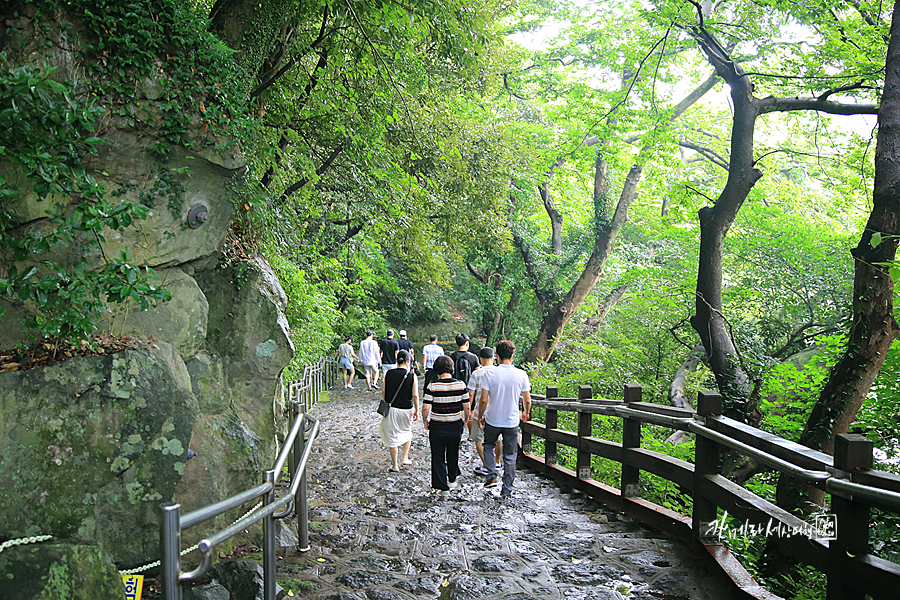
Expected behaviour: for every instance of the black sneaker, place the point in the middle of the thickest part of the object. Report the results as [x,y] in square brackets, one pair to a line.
[492,482]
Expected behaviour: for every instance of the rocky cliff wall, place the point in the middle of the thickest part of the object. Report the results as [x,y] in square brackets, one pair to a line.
[92,445]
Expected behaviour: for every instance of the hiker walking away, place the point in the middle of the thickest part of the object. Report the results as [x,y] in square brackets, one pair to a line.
[430,352]
[407,345]
[445,410]
[401,390]
[370,356]
[464,363]
[500,416]
[389,349]
[475,387]
[345,362]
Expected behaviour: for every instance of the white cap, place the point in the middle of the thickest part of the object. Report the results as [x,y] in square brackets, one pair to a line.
[402,333]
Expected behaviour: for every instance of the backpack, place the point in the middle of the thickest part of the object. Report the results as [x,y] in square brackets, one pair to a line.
[462,368]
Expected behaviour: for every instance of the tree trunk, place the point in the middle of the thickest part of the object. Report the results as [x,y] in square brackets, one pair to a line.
[709,320]
[555,220]
[678,389]
[874,327]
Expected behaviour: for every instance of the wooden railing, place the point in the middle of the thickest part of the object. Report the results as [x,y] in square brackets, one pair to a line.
[842,554]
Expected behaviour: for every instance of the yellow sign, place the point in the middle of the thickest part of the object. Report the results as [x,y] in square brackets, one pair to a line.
[134,584]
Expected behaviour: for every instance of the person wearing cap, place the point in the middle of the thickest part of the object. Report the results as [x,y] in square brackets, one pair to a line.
[370,356]
[401,391]
[407,345]
[475,387]
[389,349]
[345,362]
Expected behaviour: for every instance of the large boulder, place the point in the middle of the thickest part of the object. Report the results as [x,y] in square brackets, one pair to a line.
[195,182]
[180,321]
[248,332]
[92,445]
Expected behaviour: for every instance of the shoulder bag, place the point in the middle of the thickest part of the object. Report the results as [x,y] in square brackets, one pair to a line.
[385,407]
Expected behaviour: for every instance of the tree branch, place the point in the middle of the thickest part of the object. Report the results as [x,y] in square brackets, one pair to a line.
[707,153]
[302,182]
[475,273]
[772,104]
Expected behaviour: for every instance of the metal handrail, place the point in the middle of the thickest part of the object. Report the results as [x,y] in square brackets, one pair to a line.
[296,449]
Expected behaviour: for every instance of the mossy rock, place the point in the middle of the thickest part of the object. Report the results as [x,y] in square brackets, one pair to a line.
[92,445]
[50,571]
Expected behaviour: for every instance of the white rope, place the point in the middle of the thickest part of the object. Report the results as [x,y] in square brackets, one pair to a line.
[34,539]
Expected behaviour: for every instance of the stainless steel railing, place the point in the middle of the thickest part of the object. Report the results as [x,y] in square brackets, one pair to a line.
[304,429]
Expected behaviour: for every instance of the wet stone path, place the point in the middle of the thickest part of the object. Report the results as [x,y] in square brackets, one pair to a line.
[378,535]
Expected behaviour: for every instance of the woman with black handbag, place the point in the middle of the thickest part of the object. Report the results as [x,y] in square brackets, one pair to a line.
[401,394]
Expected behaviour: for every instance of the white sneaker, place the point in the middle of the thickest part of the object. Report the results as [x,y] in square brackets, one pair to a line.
[453,485]
[350,387]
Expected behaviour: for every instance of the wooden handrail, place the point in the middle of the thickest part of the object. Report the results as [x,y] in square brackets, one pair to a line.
[854,487]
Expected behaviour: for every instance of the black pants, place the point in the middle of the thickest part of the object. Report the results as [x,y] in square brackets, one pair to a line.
[444,438]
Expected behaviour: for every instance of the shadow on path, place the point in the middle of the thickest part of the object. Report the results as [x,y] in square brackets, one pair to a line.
[379,535]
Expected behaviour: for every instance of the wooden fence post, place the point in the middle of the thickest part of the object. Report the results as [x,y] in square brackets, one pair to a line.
[583,456]
[706,462]
[852,452]
[551,421]
[631,438]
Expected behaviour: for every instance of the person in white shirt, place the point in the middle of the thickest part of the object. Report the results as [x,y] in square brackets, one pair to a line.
[370,356]
[500,416]
[475,387]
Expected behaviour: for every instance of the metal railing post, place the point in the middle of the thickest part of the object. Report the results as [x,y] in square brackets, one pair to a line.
[269,540]
[317,381]
[301,504]
[170,549]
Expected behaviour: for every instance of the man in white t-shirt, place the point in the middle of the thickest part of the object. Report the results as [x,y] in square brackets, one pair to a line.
[370,355]
[500,416]
[475,387]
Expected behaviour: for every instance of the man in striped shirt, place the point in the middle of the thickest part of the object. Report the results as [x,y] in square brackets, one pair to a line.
[445,410]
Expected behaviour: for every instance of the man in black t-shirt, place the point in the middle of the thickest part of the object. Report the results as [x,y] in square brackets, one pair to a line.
[407,345]
[389,348]
[459,371]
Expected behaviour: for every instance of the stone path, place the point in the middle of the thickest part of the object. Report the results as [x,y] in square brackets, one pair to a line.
[378,535]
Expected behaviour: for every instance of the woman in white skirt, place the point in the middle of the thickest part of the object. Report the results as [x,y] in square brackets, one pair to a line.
[401,391]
